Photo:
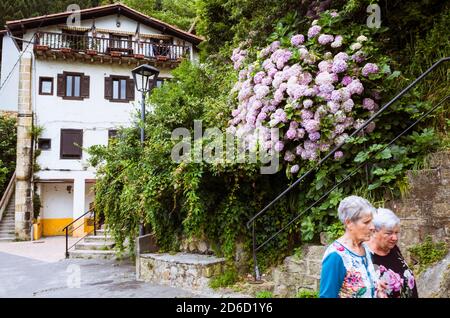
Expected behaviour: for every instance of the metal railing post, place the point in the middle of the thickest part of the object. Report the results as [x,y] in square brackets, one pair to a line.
[67,243]
[95,224]
[255,261]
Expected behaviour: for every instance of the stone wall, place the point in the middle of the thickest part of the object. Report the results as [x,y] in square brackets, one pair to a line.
[181,270]
[425,210]
[299,272]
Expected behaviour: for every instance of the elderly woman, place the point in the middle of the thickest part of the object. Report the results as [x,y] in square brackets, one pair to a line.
[347,269]
[389,262]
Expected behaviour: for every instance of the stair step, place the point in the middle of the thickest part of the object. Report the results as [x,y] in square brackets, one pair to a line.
[92,254]
[4,231]
[98,246]
[97,238]
[102,232]
[7,239]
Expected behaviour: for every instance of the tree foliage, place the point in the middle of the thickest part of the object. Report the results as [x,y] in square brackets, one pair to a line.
[7,149]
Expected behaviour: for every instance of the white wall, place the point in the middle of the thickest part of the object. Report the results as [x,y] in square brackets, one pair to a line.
[57,202]
[9,93]
[95,115]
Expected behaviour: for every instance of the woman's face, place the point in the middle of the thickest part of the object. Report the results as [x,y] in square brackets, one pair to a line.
[363,228]
[387,238]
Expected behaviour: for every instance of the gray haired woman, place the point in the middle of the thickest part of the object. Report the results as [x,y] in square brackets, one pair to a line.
[387,258]
[347,269]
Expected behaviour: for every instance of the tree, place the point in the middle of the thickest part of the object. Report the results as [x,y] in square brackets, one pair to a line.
[7,150]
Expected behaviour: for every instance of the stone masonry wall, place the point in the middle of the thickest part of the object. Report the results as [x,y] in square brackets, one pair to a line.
[182,270]
[299,273]
[425,210]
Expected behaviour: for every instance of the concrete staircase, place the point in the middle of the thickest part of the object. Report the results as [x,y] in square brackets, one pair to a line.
[100,246]
[7,227]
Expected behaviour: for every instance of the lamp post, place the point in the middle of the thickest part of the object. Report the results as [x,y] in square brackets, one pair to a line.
[145,77]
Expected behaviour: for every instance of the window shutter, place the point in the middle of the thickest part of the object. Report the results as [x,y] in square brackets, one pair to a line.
[71,143]
[85,80]
[108,88]
[130,89]
[61,89]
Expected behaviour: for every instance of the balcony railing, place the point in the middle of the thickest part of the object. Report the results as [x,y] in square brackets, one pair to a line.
[115,47]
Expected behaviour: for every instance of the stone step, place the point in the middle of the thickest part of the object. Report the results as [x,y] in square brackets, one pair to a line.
[6,231]
[7,239]
[102,232]
[97,238]
[98,246]
[191,271]
[92,254]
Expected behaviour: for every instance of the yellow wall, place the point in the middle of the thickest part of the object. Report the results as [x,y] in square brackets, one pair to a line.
[52,227]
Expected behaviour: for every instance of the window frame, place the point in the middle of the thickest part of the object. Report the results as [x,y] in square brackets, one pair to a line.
[45,79]
[73,74]
[119,79]
[70,157]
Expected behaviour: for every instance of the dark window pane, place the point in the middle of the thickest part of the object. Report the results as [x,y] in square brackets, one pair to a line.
[44,144]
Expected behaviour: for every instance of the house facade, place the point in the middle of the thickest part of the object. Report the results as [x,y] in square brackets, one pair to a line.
[74,82]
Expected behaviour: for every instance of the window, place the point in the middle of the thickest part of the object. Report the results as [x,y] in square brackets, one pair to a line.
[119,89]
[45,85]
[71,143]
[160,81]
[73,86]
[112,134]
[44,144]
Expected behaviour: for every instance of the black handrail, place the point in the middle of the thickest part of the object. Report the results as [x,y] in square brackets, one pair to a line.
[339,146]
[66,229]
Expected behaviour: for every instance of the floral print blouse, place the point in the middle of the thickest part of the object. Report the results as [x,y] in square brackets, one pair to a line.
[346,274]
[393,270]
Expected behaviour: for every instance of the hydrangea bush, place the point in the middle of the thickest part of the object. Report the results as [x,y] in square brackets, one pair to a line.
[316,88]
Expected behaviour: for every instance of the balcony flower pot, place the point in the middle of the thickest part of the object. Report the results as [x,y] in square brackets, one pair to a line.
[41,47]
[161,58]
[66,50]
[116,54]
[139,56]
[91,52]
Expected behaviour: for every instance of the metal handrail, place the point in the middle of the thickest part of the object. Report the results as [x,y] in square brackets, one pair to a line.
[7,195]
[66,229]
[251,221]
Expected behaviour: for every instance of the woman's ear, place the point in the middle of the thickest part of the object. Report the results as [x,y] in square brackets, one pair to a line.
[348,224]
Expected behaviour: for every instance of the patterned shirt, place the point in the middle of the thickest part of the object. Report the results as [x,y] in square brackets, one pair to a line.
[346,274]
[393,269]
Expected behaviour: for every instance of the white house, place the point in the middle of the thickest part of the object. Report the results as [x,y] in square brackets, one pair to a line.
[74,81]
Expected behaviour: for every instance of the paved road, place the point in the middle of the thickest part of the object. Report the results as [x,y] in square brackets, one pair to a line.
[26,277]
[39,269]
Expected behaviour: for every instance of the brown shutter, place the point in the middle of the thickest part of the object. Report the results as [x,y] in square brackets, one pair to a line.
[108,88]
[61,85]
[85,80]
[71,143]
[130,89]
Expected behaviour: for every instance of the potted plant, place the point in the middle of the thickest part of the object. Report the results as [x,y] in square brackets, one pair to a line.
[40,47]
[116,54]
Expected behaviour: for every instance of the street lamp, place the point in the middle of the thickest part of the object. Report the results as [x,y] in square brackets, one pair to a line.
[145,77]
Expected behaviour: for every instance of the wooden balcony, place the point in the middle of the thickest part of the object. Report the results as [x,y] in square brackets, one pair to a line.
[50,45]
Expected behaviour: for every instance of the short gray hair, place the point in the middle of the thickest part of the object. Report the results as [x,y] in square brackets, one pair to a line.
[385,218]
[353,208]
